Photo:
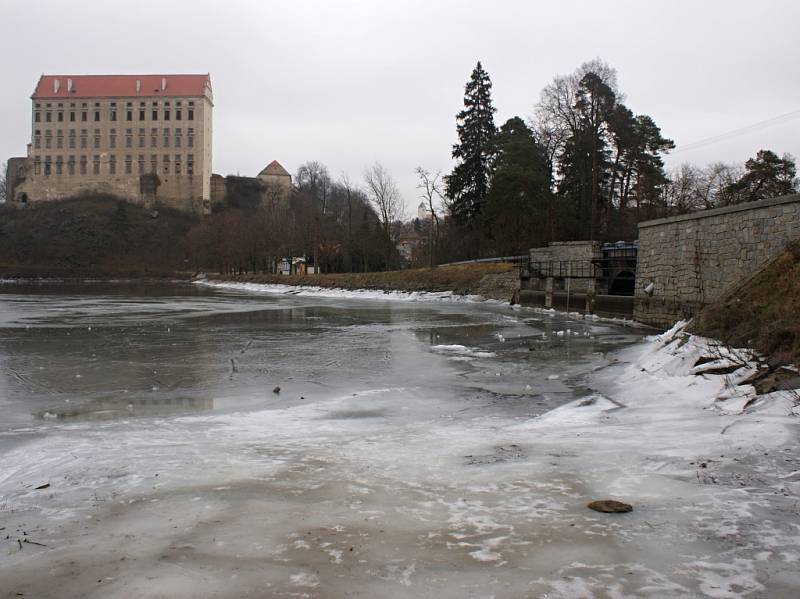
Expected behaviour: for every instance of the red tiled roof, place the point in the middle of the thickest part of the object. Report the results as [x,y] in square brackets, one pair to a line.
[120,86]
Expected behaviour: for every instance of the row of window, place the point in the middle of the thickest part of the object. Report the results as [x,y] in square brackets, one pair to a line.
[174,137]
[59,166]
[112,104]
[129,112]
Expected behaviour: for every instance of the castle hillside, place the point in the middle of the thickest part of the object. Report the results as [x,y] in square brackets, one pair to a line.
[146,138]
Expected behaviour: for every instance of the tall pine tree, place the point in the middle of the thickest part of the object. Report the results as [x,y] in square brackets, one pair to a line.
[517,213]
[468,185]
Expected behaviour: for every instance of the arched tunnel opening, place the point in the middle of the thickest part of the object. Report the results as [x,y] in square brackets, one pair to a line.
[623,284]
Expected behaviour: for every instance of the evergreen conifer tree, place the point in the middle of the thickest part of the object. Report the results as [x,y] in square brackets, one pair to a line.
[468,185]
[518,206]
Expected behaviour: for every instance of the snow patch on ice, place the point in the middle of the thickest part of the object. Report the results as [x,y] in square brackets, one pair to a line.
[336,293]
[462,351]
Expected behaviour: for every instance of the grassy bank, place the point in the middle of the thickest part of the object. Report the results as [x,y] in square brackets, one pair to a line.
[763,313]
[489,280]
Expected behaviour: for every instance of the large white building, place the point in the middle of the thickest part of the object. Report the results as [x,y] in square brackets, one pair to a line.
[146,138]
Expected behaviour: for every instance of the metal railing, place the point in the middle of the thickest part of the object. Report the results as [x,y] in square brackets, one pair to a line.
[516,260]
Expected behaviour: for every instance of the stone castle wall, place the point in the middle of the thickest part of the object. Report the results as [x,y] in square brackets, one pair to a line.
[695,259]
[576,252]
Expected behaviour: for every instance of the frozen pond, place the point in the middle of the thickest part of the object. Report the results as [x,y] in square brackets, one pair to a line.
[399,458]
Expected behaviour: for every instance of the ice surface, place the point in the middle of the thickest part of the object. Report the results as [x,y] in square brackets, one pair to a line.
[385,467]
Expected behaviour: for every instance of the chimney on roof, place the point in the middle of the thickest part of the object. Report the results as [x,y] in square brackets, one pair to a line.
[138,85]
[56,85]
[69,85]
[163,83]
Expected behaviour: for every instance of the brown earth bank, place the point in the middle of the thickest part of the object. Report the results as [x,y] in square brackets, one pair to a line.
[763,313]
[96,237]
[492,281]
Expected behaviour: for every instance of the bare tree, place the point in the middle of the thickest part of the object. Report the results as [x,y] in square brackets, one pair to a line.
[384,195]
[692,188]
[430,186]
[681,193]
[313,178]
[4,184]
[716,178]
[349,191]
[556,117]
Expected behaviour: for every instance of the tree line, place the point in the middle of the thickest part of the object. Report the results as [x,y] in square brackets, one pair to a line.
[335,225]
[584,166]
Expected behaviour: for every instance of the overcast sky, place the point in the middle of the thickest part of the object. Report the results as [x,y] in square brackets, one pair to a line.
[351,83]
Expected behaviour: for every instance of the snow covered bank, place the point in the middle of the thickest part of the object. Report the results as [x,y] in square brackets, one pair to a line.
[333,292]
[712,469]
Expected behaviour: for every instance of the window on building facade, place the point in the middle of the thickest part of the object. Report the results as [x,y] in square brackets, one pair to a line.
[165,164]
[71,165]
[84,116]
[96,164]
[96,116]
[153,163]
[178,114]
[84,137]
[128,138]
[153,137]
[37,166]
[177,164]
[72,139]
[190,164]
[128,164]
[141,164]
[48,117]
[96,138]
[83,165]
[141,137]
[112,165]
[71,116]
[59,165]
[166,115]
[47,166]
[37,139]
[112,115]
[190,137]
[190,114]
[48,139]
[112,138]
[154,116]
[37,117]
[166,138]
[178,135]
[141,114]
[59,139]
[60,116]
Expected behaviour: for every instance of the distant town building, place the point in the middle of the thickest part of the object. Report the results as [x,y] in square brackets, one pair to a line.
[408,244]
[423,212]
[275,175]
[146,138]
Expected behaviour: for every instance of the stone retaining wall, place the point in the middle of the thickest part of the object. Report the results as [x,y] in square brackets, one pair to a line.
[695,259]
